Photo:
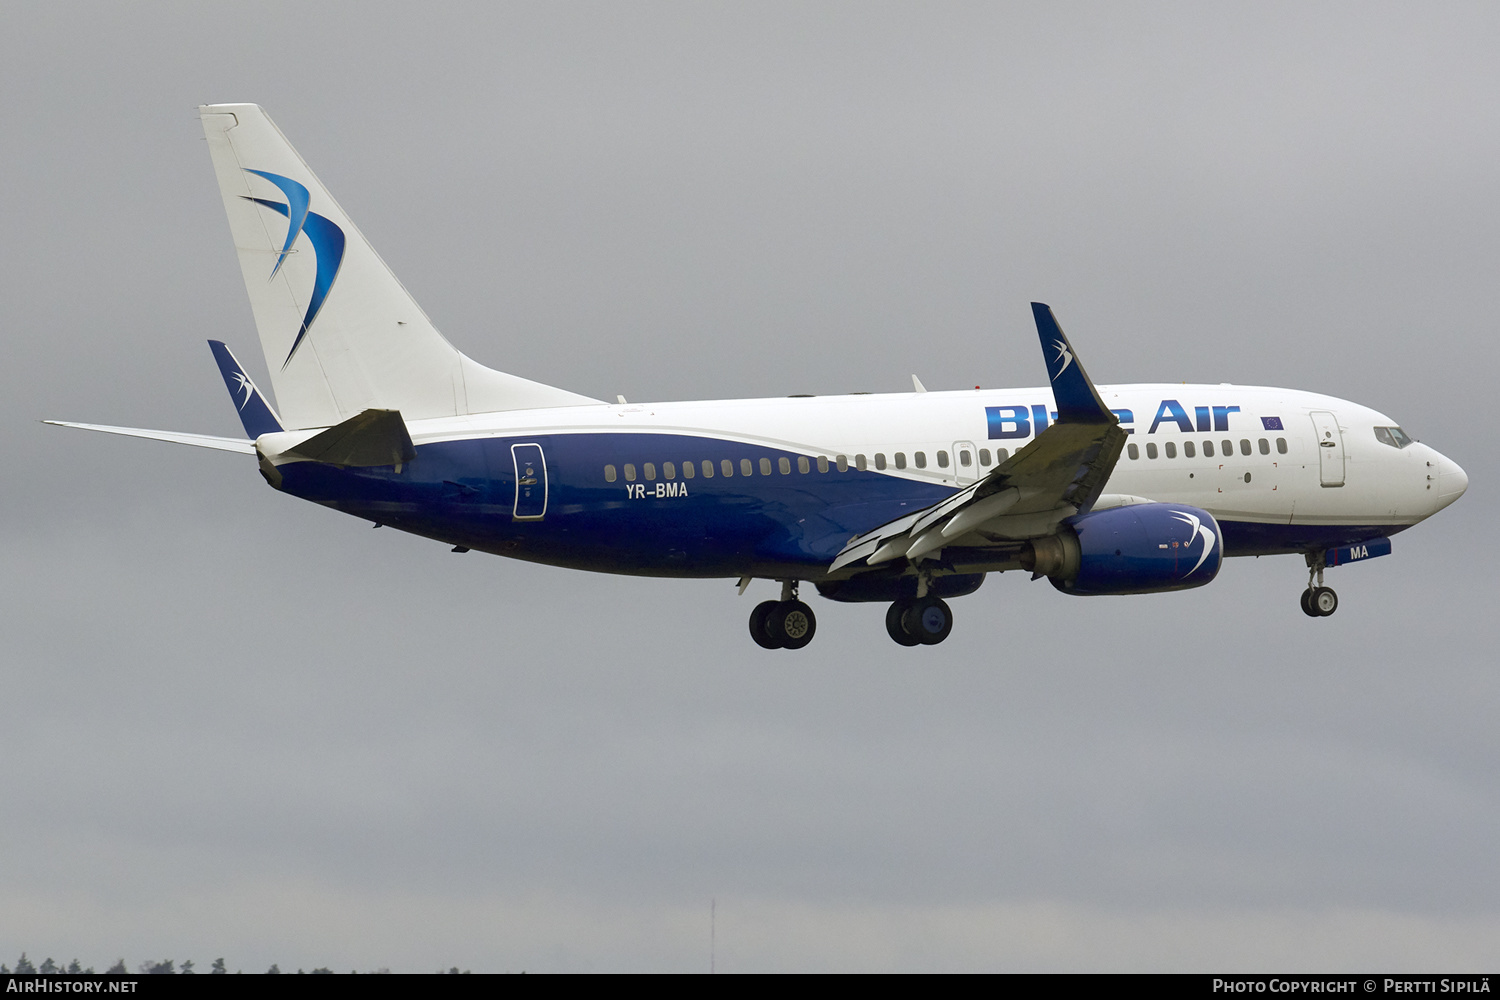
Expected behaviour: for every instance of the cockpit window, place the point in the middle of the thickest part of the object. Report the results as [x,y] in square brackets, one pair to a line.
[1393,436]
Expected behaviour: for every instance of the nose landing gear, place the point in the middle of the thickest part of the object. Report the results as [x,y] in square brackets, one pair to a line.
[1318,601]
[783,624]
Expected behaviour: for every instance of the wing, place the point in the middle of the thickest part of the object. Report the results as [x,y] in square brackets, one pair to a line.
[1059,474]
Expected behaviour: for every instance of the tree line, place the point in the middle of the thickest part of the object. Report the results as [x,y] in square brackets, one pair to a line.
[151,967]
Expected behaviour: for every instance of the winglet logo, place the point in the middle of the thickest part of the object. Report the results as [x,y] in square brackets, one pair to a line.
[246,385]
[1064,355]
[327,241]
[1209,538]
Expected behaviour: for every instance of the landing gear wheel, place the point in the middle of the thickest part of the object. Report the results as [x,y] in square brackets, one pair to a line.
[1307,608]
[893,616]
[791,624]
[1324,601]
[760,629]
[928,620]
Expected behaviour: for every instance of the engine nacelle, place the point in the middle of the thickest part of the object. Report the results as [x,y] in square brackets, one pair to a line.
[1141,549]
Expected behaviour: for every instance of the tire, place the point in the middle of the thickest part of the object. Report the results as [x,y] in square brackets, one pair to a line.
[1324,601]
[760,626]
[893,616]
[929,620]
[1307,607]
[792,623]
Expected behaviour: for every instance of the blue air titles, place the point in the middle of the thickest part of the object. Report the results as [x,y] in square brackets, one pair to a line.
[1022,421]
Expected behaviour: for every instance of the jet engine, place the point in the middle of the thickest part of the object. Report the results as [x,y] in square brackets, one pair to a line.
[1141,549]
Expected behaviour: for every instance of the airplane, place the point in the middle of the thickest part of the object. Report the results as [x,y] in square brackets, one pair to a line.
[905,499]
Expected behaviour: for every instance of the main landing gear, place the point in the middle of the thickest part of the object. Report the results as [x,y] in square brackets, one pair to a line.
[920,621]
[783,624]
[1318,601]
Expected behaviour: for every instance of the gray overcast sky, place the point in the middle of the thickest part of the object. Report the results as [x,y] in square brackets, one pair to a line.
[241,725]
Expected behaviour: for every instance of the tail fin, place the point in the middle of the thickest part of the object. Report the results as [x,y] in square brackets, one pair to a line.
[340,333]
[255,413]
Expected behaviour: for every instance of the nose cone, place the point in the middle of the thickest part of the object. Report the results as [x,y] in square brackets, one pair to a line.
[1452,481]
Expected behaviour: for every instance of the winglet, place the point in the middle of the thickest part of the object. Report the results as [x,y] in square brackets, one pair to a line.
[255,413]
[1077,399]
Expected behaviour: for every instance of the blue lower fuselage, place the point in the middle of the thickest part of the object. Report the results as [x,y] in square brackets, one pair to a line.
[769,523]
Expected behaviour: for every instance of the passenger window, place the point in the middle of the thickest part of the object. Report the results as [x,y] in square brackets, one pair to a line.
[1228,451]
[629,473]
[650,471]
[783,463]
[726,467]
[1151,450]
[1188,450]
[984,456]
[708,468]
[842,462]
[1265,446]
[609,473]
[688,470]
[746,469]
[964,458]
[880,460]
[1281,446]
[1208,449]
[920,457]
[1001,454]
[1171,449]
[668,470]
[1133,451]
[765,466]
[802,465]
[859,462]
[1244,446]
[823,463]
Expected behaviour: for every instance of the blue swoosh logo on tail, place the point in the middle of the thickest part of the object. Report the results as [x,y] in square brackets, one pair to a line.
[327,240]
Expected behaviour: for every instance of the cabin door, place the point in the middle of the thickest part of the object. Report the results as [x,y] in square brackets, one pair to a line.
[531,481]
[1330,448]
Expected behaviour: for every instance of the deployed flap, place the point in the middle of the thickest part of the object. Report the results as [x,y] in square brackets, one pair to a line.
[371,438]
[1059,474]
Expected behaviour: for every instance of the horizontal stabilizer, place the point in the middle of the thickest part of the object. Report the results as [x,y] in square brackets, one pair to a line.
[240,445]
[371,438]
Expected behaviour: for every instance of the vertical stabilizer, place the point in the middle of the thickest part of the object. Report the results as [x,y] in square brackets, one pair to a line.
[340,333]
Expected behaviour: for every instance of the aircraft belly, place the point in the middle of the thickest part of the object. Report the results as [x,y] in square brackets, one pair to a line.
[466,493]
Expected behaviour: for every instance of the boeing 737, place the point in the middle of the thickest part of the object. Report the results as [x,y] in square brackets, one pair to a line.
[906,499]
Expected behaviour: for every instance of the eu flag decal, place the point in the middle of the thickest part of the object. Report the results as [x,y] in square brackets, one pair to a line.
[1271,424]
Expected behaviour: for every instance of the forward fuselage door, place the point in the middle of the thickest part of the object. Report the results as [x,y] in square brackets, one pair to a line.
[965,463]
[531,481]
[1330,448]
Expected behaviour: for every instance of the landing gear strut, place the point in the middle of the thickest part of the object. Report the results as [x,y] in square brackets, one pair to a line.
[1318,601]
[783,624]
